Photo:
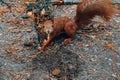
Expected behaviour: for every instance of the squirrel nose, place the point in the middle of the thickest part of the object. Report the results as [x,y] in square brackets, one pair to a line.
[48,32]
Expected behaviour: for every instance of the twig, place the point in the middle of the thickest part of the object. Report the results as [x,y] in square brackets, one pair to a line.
[63,3]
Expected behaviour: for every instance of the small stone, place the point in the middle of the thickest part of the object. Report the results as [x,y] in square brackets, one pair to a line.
[71,45]
[92,37]
[29,30]
[109,64]
[24,16]
[114,65]
[43,12]
[114,75]
[118,65]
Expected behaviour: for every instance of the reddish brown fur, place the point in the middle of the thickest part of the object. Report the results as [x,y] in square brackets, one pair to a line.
[89,8]
[61,24]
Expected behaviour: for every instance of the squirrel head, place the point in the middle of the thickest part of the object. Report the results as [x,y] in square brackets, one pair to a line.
[48,27]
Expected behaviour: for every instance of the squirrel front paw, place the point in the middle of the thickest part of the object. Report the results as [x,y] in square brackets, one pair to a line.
[45,41]
[41,48]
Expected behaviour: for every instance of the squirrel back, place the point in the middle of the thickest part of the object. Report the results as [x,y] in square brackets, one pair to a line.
[87,9]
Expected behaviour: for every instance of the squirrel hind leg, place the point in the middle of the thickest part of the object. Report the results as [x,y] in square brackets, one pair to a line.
[70,29]
[70,32]
[66,41]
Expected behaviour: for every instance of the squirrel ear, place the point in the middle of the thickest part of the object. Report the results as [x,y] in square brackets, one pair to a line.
[52,20]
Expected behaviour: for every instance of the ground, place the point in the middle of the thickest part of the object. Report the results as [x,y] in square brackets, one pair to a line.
[94,54]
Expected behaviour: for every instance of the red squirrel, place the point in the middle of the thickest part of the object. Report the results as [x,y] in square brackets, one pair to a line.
[55,27]
[86,10]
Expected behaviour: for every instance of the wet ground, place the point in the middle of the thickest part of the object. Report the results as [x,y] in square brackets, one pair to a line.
[94,54]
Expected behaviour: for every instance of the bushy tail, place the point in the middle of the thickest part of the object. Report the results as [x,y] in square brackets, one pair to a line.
[89,8]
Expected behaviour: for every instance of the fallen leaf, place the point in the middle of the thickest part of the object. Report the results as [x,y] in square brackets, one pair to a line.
[27,2]
[109,34]
[29,30]
[65,77]
[12,51]
[109,46]
[56,71]
[19,48]
[30,14]
[112,47]
[40,25]
[33,56]
[114,65]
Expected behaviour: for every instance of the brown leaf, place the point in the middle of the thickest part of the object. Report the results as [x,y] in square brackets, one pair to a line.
[27,2]
[33,56]
[29,30]
[40,25]
[114,65]
[56,71]
[12,51]
[30,14]
[65,77]
[109,34]
[110,46]
[19,48]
